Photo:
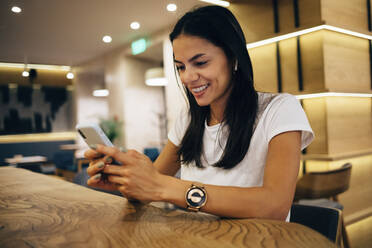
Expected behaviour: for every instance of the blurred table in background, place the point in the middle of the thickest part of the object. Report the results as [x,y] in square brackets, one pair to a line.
[41,211]
[33,163]
[25,160]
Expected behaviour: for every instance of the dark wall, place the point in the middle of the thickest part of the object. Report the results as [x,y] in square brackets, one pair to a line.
[35,110]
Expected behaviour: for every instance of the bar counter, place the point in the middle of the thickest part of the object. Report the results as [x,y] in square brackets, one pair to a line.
[42,211]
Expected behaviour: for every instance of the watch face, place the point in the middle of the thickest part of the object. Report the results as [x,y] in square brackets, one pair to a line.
[196,197]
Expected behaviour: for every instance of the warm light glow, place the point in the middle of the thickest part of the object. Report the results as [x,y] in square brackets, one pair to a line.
[155,77]
[171,7]
[306,31]
[37,66]
[70,75]
[107,39]
[101,93]
[12,86]
[324,94]
[217,2]
[16,9]
[156,81]
[135,25]
[25,74]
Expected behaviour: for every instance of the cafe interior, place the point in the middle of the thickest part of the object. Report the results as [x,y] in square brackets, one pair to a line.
[111,63]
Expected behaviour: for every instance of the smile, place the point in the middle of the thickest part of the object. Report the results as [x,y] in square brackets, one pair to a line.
[200,89]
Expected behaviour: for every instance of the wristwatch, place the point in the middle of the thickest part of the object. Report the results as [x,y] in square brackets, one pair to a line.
[196,197]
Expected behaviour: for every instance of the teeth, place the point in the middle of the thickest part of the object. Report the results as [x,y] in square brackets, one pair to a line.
[201,88]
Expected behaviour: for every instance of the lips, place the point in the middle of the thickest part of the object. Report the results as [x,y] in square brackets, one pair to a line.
[199,90]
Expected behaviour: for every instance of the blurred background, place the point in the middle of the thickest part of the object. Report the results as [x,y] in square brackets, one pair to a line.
[110,62]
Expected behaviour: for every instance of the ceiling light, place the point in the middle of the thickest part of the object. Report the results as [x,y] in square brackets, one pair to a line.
[16,9]
[135,25]
[171,7]
[25,74]
[155,77]
[306,31]
[70,75]
[217,2]
[101,93]
[37,66]
[107,39]
[324,94]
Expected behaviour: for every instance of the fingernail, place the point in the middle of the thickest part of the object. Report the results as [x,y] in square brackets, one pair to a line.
[108,160]
[96,177]
[122,149]
[100,164]
[94,147]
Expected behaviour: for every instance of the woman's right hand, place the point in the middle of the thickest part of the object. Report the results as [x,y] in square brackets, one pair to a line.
[95,169]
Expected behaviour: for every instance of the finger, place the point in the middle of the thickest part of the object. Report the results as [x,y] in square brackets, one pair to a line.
[123,191]
[95,167]
[92,154]
[117,180]
[116,170]
[96,181]
[123,157]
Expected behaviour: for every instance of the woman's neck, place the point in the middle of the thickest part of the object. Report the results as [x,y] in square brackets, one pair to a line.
[215,116]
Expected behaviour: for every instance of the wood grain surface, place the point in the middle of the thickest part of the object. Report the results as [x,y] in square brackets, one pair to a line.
[41,211]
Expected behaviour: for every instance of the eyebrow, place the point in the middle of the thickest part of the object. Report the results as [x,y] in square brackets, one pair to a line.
[193,58]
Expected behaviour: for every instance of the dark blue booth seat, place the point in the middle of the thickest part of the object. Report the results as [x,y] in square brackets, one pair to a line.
[42,148]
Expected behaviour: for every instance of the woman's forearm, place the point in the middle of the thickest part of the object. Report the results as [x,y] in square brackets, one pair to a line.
[258,202]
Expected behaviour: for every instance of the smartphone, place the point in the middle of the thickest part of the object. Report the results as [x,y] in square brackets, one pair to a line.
[93,134]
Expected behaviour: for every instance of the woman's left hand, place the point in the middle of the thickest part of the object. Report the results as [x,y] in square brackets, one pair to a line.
[136,177]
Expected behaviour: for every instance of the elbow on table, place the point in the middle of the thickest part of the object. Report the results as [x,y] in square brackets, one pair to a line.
[275,209]
[278,211]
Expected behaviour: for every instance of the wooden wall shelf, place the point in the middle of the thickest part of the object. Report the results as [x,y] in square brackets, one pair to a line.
[335,157]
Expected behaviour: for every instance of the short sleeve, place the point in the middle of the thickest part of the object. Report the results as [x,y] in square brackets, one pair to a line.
[177,132]
[285,114]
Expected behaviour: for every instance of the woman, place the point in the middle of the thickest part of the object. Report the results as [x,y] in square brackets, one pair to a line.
[238,150]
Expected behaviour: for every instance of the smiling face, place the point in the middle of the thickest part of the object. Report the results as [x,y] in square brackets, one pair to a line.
[204,69]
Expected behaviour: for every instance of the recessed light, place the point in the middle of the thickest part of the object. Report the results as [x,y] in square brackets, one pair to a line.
[135,25]
[171,7]
[107,39]
[70,75]
[25,74]
[16,9]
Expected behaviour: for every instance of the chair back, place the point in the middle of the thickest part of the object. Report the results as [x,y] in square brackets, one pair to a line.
[326,221]
[324,184]
[64,160]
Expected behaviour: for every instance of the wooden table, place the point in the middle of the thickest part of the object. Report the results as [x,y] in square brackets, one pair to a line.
[41,211]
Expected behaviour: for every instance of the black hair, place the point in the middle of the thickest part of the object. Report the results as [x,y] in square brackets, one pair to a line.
[219,26]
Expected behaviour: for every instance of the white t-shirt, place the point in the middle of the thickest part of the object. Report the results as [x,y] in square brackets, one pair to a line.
[276,114]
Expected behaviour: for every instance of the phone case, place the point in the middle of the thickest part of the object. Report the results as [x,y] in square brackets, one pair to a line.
[93,134]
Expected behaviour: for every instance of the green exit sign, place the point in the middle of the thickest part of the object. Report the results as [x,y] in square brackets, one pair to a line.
[138,46]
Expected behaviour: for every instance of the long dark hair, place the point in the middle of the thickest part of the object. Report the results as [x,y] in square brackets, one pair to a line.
[219,26]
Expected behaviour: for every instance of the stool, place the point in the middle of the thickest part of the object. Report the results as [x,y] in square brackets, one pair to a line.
[317,188]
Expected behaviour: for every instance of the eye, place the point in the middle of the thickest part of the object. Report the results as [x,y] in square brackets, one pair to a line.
[180,67]
[201,63]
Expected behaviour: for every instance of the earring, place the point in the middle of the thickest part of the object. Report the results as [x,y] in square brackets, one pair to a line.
[236,66]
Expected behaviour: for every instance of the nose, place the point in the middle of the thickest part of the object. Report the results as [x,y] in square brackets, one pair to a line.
[189,76]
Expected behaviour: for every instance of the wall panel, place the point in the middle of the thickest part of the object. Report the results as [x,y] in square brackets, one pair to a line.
[264,68]
[346,63]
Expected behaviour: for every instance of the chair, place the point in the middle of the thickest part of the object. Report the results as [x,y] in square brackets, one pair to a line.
[316,188]
[152,153]
[65,166]
[326,221]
